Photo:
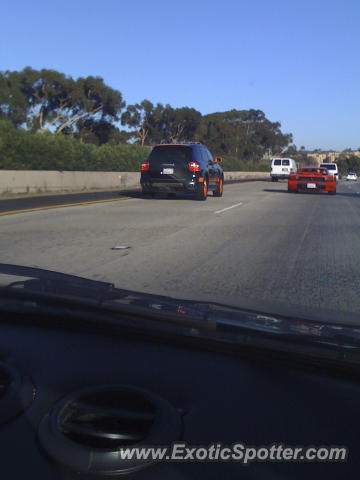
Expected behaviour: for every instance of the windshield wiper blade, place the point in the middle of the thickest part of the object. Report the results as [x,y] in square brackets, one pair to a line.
[47,281]
[42,274]
[57,283]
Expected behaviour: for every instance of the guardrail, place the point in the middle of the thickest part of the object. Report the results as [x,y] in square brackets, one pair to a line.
[15,182]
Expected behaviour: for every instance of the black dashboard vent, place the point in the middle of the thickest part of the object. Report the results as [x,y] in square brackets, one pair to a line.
[16,391]
[107,419]
[87,430]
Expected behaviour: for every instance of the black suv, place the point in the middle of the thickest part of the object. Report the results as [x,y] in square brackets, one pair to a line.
[182,167]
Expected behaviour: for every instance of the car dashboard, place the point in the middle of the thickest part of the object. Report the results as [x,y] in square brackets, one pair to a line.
[210,396]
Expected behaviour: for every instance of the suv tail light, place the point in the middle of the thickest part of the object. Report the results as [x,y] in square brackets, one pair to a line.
[193,167]
[145,167]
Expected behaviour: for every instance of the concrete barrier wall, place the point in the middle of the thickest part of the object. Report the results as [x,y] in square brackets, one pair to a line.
[229,176]
[33,181]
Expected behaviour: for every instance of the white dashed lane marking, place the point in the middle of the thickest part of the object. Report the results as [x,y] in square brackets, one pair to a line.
[228,208]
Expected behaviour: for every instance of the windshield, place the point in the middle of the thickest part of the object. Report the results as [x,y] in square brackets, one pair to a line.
[140,149]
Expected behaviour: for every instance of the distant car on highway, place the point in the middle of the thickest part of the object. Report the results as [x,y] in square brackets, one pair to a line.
[182,167]
[351,176]
[312,179]
[332,168]
[281,168]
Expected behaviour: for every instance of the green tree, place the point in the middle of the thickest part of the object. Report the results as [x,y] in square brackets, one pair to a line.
[51,100]
[13,102]
[180,124]
[150,124]
[244,134]
[291,151]
[348,161]
[93,131]
[139,118]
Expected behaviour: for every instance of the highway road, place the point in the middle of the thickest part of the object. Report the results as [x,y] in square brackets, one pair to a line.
[257,246]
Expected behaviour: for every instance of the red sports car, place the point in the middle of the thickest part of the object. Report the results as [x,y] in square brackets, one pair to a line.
[312,179]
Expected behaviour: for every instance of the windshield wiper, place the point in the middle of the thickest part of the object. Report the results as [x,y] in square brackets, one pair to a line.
[45,288]
[48,280]
[76,296]
[57,283]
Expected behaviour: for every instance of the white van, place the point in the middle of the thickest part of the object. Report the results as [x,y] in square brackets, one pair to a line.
[332,169]
[281,168]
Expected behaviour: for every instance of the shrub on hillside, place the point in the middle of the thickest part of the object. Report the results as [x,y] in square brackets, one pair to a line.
[23,150]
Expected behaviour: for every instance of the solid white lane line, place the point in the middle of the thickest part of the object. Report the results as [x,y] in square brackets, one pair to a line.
[228,208]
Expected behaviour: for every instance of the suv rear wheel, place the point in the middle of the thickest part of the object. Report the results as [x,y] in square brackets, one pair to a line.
[219,191]
[202,190]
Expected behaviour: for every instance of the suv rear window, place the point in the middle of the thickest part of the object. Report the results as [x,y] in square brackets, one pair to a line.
[170,154]
[286,162]
[277,162]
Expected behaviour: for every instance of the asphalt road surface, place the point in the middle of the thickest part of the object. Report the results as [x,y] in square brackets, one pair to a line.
[257,246]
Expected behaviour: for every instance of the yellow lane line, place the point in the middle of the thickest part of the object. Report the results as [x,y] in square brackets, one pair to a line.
[48,207]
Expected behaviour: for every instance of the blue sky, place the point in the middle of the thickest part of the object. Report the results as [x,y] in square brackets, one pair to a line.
[298,61]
